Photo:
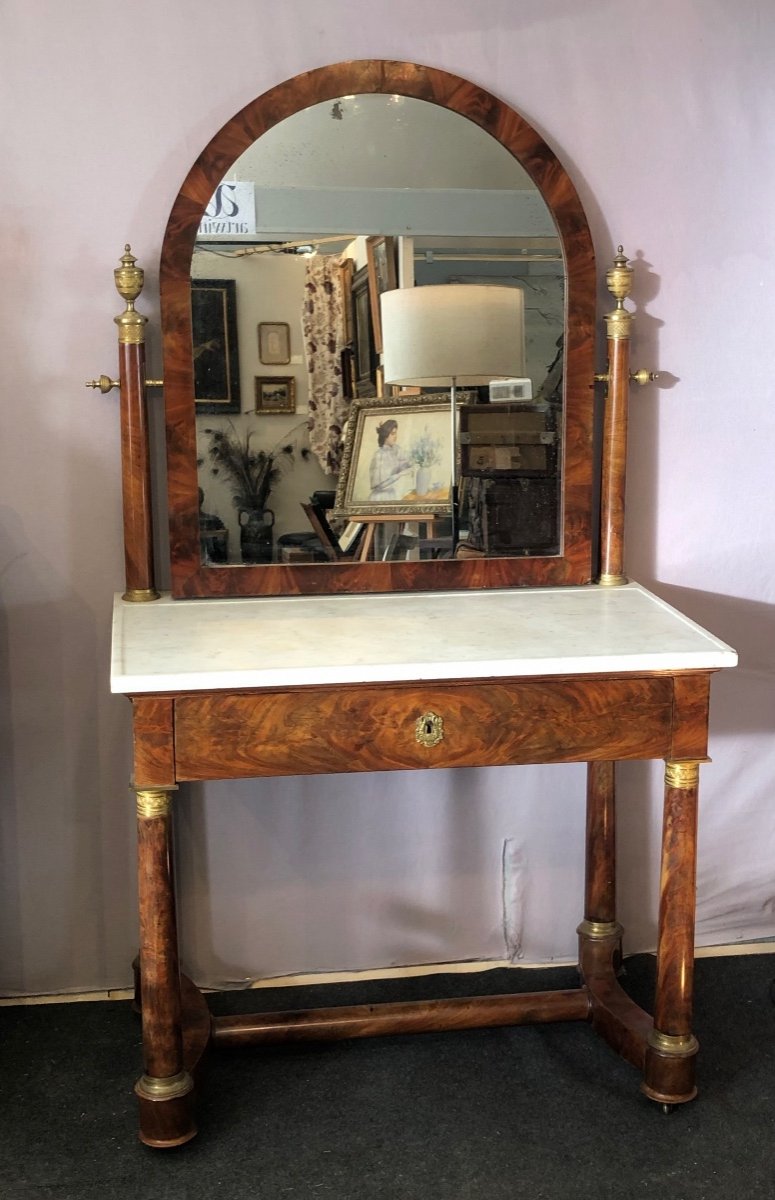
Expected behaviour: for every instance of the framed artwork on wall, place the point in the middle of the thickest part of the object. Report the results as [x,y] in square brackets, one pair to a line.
[216,353]
[275,394]
[274,343]
[383,277]
[363,336]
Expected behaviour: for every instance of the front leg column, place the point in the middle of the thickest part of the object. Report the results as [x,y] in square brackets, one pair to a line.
[165,1090]
[672,1047]
[600,934]
[600,874]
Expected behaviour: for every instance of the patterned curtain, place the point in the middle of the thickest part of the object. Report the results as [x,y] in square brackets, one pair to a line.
[323,325]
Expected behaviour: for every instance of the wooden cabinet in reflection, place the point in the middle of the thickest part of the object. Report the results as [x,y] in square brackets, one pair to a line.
[509,477]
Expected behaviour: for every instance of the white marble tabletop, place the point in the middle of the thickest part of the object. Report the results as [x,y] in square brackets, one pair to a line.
[192,645]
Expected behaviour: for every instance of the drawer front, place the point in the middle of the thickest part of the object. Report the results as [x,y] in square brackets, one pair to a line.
[311,731]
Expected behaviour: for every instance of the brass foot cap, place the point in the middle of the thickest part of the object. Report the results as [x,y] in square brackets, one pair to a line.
[668,1097]
[167,1143]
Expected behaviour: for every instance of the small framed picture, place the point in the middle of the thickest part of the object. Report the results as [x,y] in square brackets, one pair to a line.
[274,343]
[275,393]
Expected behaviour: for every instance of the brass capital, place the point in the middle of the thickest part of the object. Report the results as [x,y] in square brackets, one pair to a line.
[153,802]
[131,328]
[168,1088]
[618,324]
[679,1044]
[682,773]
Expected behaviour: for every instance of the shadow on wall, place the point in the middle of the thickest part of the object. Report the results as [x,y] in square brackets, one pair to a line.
[749,627]
[64,861]
[735,872]
[10,929]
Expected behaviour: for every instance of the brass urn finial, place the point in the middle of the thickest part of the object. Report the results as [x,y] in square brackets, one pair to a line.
[129,284]
[619,283]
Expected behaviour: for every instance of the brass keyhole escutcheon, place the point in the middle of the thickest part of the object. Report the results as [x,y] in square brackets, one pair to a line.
[429,729]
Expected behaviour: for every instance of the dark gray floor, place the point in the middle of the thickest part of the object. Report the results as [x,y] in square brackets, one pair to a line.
[539,1112]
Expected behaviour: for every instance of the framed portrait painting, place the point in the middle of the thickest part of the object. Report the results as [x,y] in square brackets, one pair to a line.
[397,458]
[216,354]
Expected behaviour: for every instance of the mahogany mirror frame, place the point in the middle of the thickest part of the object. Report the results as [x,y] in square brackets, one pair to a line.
[574,565]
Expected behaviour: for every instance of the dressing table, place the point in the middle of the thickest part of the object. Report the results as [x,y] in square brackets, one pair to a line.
[263,670]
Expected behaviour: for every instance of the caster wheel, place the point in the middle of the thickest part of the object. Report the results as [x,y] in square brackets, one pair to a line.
[667,1109]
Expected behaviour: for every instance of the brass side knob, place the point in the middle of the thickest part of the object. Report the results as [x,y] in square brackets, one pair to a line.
[643,377]
[104,383]
[640,377]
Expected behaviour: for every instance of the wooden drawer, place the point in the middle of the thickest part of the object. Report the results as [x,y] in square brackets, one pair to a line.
[375,728]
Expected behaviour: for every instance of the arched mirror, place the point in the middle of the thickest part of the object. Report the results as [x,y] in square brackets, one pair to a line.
[377,289]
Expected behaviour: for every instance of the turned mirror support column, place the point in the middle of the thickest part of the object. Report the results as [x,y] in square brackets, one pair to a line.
[165,1089]
[618,324]
[672,1047]
[135,445]
[618,378]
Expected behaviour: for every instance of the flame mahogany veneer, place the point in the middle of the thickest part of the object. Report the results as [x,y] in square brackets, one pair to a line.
[574,564]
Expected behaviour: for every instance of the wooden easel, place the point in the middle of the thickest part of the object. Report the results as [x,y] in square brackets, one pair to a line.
[372,522]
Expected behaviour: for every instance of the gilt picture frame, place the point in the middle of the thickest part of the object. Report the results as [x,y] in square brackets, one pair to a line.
[397,458]
[275,394]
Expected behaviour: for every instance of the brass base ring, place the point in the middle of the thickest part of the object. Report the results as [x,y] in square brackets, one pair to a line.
[680,1045]
[600,931]
[140,595]
[169,1088]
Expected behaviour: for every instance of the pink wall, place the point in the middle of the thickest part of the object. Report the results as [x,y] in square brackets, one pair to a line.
[663,112]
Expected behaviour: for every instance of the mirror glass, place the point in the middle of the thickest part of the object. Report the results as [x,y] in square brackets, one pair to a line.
[306,452]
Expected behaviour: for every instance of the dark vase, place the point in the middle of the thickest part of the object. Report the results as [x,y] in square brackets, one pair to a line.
[256,540]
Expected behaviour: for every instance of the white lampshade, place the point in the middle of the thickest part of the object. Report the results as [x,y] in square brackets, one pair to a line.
[468,334]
